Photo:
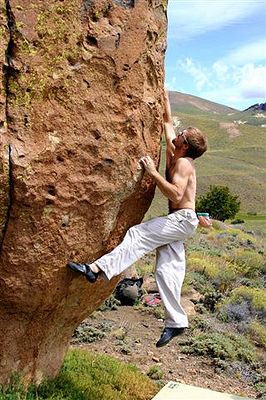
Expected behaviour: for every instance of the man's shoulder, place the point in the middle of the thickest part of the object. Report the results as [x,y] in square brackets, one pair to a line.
[184,161]
[185,165]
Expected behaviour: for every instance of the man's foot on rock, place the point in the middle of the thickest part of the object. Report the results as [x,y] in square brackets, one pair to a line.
[168,334]
[84,269]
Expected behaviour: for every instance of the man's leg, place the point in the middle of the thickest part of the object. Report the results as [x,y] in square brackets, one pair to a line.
[170,273]
[140,240]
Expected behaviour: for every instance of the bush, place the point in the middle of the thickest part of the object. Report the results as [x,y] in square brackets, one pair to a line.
[258,333]
[111,303]
[155,372]
[220,272]
[85,333]
[255,296]
[199,323]
[219,203]
[250,263]
[220,347]
[237,221]
[239,312]
[211,299]
[244,304]
[198,281]
[157,311]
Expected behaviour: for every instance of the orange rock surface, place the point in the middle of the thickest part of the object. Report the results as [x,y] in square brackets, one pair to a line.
[80,103]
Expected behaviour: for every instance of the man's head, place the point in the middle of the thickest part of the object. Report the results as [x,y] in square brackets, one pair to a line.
[193,141]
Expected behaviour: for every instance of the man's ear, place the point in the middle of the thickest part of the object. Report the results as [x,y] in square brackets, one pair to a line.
[185,148]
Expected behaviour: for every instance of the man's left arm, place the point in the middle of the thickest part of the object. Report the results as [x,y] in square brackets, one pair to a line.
[173,191]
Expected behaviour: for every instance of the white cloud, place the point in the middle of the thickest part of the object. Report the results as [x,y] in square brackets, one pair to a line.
[227,84]
[196,71]
[250,53]
[252,81]
[221,70]
[193,17]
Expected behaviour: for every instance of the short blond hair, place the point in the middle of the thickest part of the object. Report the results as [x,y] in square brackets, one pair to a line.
[197,141]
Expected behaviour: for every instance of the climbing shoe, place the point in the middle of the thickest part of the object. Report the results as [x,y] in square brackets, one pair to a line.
[85,270]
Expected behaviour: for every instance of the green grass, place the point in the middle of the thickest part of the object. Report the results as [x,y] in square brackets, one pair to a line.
[254,223]
[250,217]
[85,376]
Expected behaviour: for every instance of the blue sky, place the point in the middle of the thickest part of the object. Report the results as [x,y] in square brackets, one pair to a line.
[217,50]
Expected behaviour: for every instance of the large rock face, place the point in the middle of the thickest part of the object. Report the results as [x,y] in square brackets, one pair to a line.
[80,104]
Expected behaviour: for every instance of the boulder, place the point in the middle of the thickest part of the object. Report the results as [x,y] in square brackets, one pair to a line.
[80,102]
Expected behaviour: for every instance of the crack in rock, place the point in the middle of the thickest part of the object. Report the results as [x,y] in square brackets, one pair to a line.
[7,179]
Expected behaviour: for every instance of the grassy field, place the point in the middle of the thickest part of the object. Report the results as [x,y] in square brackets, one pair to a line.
[254,223]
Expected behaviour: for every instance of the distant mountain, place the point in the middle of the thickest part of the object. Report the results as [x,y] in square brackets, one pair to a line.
[256,107]
[187,103]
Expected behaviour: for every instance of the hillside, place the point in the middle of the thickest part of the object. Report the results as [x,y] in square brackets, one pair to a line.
[192,104]
[236,155]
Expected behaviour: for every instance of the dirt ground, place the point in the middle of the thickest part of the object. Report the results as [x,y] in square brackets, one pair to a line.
[130,336]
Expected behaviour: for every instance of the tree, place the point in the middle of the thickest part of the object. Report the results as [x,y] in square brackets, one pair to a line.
[219,203]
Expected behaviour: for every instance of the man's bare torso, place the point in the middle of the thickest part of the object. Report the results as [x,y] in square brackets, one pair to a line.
[189,195]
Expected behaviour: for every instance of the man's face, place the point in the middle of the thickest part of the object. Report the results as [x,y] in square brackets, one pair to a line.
[180,140]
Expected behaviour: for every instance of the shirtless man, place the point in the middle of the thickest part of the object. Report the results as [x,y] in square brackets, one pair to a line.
[165,234]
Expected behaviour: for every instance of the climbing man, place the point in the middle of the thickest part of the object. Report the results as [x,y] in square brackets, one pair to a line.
[165,234]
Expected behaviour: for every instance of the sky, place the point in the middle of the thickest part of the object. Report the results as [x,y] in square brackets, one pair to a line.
[217,50]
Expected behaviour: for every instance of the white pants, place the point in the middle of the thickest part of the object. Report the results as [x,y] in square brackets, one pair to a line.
[166,234]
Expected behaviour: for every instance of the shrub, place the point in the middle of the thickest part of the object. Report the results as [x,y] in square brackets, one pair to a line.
[203,263]
[258,333]
[237,221]
[111,303]
[239,312]
[219,203]
[256,282]
[211,299]
[155,372]
[244,304]
[255,296]
[221,272]
[250,263]
[144,267]
[220,347]
[199,281]
[199,323]
[157,311]
[85,333]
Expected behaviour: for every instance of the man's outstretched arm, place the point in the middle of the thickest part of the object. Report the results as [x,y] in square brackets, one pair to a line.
[168,126]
